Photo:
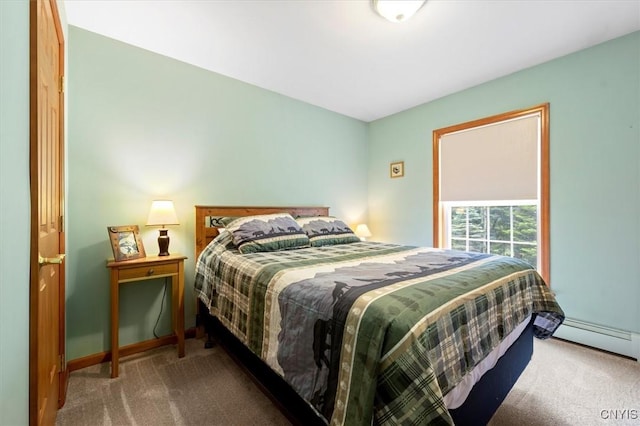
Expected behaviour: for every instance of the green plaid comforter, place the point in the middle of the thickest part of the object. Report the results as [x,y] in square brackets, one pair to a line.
[372,332]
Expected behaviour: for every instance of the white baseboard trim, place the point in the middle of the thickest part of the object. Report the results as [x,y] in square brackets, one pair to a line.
[609,339]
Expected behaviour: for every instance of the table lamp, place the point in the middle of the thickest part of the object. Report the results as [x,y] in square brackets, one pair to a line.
[162,213]
[362,231]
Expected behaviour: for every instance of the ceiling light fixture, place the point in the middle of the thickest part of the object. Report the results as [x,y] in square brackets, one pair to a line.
[397,10]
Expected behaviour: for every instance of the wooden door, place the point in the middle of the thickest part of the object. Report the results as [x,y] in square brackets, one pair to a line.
[47,372]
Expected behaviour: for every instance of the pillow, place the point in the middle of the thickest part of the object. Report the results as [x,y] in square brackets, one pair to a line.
[327,231]
[269,232]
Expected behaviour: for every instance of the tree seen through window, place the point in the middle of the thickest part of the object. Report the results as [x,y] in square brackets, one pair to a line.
[504,230]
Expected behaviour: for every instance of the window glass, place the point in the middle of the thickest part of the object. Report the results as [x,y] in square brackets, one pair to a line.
[528,253]
[459,222]
[500,223]
[477,222]
[525,223]
[484,227]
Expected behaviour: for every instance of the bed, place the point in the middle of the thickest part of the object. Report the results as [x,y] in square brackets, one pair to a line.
[367,332]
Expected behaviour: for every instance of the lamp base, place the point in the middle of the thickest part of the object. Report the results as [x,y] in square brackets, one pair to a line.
[163,243]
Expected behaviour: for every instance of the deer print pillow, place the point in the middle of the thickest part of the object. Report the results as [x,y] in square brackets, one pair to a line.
[269,232]
[327,231]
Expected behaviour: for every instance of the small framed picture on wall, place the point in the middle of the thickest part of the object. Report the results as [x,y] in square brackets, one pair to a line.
[397,169]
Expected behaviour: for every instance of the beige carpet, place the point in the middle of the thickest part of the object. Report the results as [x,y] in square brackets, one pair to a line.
[569,384]
[157,388]
[565,384]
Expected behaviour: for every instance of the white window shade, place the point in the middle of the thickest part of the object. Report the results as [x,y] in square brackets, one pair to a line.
[494,162]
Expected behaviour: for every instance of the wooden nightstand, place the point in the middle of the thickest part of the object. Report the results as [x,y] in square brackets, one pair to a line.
[147,268]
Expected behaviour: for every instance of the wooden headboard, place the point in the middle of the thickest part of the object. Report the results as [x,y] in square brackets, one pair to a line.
[206,229]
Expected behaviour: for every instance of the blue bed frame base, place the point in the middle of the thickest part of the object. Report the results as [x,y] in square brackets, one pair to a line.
[497,382]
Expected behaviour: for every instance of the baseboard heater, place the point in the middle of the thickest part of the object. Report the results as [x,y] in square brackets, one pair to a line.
[609,339]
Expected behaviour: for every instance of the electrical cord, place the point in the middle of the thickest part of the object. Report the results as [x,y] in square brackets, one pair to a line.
[164,294]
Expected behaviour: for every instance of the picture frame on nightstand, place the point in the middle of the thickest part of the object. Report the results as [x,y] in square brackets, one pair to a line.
[125,242]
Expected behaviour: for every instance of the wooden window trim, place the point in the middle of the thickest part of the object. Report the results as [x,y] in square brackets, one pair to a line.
[544,227]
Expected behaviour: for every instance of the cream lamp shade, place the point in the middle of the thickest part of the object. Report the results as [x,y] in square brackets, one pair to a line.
[362,231]
[397,10]
[162,213]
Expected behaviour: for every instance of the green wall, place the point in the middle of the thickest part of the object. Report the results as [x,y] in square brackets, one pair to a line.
[594,98]
[143,126]
[14,212]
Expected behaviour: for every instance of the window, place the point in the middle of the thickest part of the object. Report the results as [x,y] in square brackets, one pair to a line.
[505,158]
[506,228]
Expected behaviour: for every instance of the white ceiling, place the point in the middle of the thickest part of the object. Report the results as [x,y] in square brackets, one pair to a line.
[340,55]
